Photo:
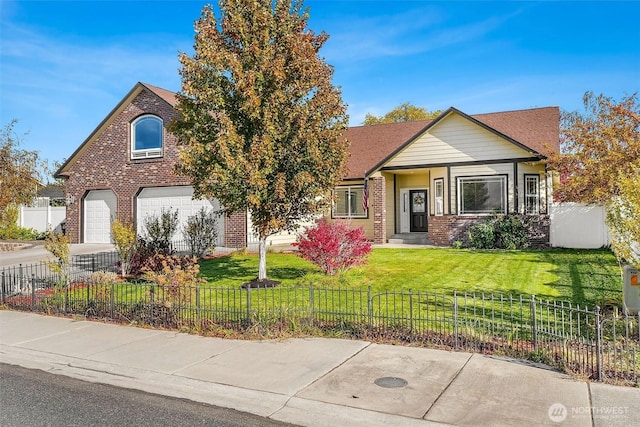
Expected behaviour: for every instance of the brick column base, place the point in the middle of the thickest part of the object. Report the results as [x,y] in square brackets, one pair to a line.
[235,230]
[379,211]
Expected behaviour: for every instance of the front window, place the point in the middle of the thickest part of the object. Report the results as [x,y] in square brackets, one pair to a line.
[439,196]
[348,202]
[532,194]
[482,195]
[146,137]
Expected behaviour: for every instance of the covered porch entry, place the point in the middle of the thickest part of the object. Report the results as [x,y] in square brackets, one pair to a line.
[412,205]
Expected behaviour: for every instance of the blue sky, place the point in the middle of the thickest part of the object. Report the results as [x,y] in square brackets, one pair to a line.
[65,64]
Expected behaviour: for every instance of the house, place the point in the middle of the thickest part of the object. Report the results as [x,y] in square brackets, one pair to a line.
[429,179]
[433,179]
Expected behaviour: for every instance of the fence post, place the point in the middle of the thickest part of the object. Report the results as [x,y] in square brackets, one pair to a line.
[198,303]
[311,304]
[112,300]
[65,308]
[33,291]
[20,279]
[455,319]
[411,311]
[93,263]
[534,324]
[249,304]
[369,307]
[598,344]
[3,285]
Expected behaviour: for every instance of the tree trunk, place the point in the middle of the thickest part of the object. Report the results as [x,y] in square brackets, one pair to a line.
[262,268]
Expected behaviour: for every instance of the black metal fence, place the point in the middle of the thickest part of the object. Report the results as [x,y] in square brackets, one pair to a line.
[596,344]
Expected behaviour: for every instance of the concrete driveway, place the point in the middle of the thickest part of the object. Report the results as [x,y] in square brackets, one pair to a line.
[37,253]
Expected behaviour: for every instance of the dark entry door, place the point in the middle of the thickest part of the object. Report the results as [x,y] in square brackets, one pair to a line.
[418,210]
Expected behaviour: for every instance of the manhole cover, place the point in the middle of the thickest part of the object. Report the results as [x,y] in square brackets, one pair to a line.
[391,382]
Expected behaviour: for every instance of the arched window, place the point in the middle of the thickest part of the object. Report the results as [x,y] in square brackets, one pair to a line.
[146,137]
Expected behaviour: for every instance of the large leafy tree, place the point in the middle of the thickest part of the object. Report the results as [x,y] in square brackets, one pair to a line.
[600,163]
[261,123]
[406,112]
[20,170]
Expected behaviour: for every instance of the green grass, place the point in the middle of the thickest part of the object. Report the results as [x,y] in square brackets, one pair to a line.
[580,276]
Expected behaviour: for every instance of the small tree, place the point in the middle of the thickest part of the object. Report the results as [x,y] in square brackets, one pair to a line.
[599,163]
[201,232]
[261,123]
[334,246]
[20,170]
[125,240]
[158,231]
[58,246]
[406,112]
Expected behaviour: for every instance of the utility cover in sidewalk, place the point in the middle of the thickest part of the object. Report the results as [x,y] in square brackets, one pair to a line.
[391,382]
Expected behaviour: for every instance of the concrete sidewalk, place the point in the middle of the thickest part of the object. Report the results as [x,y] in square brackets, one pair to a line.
[316,381]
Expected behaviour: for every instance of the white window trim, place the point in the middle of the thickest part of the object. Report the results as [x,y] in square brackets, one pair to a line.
[505,195]
[348,189]
[536,194]
[147,153]
[438,201]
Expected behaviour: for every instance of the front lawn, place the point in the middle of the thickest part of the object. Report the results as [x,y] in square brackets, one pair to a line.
[581,276]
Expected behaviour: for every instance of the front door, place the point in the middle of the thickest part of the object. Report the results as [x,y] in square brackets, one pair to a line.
[418,210]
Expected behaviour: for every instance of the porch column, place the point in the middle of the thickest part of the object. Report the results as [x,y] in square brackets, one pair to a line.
[379,211]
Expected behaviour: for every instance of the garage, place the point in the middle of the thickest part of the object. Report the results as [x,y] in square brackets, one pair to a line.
[99,207]
[151,201]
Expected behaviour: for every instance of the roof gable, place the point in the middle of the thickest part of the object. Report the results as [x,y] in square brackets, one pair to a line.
[165,95]
[531,130]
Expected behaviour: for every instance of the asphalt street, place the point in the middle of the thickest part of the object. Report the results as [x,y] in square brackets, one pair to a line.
[34,398]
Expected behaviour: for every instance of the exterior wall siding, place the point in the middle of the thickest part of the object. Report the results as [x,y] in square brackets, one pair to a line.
[532,169]
[456,139]
[390,203]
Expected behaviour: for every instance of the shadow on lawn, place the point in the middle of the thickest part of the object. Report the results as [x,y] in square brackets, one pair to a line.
[241,269]
[585,277]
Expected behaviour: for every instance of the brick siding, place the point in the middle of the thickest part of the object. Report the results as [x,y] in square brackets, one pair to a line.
[379,210]
[236,230]
[445,230]
[106,164]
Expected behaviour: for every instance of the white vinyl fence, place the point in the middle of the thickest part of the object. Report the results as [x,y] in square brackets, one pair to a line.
[42,218]
[578,226]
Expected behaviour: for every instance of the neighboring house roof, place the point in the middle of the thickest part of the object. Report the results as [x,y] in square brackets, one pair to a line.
[535,130]
[53,191]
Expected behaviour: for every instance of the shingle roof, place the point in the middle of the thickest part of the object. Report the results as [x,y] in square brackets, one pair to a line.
[372,144]
[533,129]
[167,95]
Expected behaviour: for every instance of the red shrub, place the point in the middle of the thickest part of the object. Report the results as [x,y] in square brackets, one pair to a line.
[334,246]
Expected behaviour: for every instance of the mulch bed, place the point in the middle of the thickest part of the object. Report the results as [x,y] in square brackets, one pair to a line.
[264,283]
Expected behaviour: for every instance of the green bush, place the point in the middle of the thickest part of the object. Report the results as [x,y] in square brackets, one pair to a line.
[482,235]
[201,232]
[159,231]
[511,232]
[9,229]
[500,232]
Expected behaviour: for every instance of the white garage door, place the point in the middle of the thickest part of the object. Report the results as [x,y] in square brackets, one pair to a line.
[99,209]
[151,202]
